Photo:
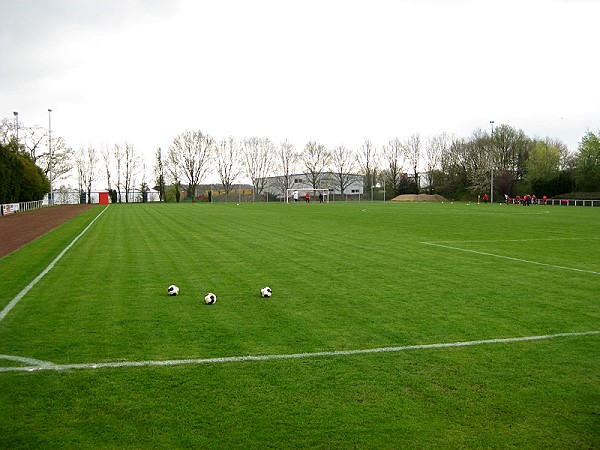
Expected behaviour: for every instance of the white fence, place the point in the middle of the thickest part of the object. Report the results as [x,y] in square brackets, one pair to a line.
[560,202]
[572,202]
[73,198]
[11,208]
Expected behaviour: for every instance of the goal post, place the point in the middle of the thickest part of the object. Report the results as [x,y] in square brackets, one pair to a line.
[320,195]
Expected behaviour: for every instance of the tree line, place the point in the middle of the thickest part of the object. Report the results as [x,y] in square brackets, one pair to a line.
[20,179]
[455,167]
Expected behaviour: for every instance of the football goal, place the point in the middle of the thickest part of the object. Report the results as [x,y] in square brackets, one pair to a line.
[299,195]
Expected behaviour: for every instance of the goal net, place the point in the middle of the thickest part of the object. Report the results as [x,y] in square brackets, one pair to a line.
[300,195]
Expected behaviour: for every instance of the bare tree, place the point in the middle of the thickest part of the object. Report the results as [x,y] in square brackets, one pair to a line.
[173,169]
[228,163]
[86,163]
[567,158]
[436,146]
[33,142]
[144,188]
[7,131]
[192,151]
[343,166]
[159,174]
[34,139]
[258,156]
[393,155]
[106,154]
[62,159]
[454,164]
[509,149]
[367,159]
[118,155]
[132,161]
[412,149]
[479,159]
[287,158]
[315,159]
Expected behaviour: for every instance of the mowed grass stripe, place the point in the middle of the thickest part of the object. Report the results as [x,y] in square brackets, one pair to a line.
[345,277]
[24,265]
[47,269]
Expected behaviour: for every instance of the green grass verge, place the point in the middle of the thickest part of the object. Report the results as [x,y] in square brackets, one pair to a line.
[345,276]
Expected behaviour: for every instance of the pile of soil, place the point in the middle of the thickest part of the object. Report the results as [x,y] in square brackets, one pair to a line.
[419,198]
[19,229]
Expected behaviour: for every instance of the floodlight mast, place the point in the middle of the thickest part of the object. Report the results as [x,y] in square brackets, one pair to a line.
[16,113]
[492,167]
[51,197]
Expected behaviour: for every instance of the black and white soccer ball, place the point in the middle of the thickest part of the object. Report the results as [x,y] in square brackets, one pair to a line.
[173,290]
[266,292]
[210,298]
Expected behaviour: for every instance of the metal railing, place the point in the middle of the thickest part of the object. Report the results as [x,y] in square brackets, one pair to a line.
[560,202]
[11,208]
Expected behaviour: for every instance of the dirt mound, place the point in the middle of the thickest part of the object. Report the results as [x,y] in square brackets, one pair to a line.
[419,198]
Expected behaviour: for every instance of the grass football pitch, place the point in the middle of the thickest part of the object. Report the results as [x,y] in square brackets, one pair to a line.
[390,326]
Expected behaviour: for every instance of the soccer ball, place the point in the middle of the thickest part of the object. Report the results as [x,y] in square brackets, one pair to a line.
[210,298]
[173,290]
[266,292]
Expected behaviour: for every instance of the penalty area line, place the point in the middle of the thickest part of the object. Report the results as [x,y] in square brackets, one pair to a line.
[233,359]
[510,258]
[27,288]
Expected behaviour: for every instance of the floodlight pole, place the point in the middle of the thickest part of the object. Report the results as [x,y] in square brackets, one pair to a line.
[492,167]
[16,113]
[51,197]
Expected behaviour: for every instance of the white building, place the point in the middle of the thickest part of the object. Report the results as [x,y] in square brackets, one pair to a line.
[353,183]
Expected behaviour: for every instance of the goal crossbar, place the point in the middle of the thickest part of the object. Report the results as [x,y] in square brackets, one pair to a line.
[299,194]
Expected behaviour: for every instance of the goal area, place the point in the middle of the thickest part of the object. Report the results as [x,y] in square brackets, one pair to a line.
[299,195]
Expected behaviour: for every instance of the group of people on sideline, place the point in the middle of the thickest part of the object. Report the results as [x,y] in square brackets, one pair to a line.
[526,200]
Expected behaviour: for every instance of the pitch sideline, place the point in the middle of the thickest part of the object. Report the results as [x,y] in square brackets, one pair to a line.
[27,288]
[232,359]
[433,244]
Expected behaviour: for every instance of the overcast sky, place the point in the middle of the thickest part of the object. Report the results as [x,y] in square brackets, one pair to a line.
[332,71]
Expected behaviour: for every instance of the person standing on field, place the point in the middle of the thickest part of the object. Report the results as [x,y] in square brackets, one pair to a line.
[295,195]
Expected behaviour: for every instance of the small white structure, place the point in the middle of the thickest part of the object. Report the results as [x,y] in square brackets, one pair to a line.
[328,182]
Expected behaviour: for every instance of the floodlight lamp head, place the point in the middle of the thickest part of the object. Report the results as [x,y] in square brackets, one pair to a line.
[16,113]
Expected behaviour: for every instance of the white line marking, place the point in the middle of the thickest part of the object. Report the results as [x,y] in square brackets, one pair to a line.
[511,258]
[233,359]
[27,288]
[587,238]
[25,360]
